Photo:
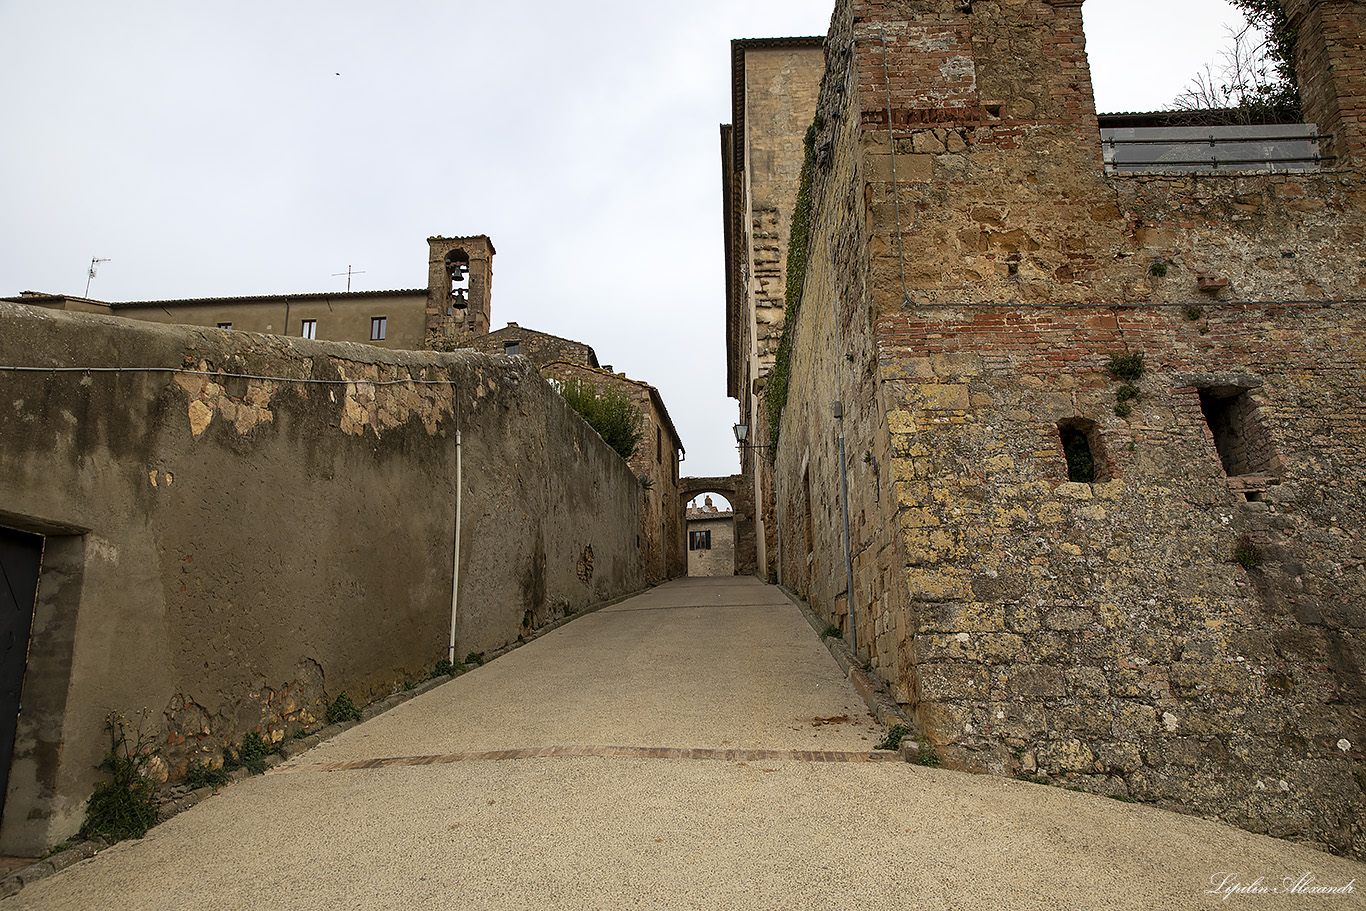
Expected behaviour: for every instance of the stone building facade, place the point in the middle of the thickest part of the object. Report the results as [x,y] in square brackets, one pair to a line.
[1182,622]
[540,348]
[774,82]
[711,541]
[655,463]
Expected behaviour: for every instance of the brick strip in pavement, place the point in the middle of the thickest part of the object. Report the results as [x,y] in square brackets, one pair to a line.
[611,752]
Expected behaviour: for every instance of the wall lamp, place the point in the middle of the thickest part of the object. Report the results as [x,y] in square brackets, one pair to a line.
[742,437]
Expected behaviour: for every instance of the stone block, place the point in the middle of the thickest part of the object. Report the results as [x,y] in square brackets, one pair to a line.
[1134,723]
[936,396]
[1087,682]
[1122,757]
[1034,681]
[942,584]
[1065,756]
[953,681]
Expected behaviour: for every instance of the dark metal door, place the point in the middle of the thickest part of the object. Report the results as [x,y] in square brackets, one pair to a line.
[21,555]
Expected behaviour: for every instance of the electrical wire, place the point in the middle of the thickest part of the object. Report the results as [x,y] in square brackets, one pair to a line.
[223,375]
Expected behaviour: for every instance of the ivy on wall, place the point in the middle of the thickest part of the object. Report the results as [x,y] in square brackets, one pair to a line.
[775,392]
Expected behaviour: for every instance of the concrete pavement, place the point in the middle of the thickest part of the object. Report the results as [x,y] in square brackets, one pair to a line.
[695,746]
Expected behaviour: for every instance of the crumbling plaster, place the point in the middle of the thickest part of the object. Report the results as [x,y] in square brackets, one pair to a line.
[234,552]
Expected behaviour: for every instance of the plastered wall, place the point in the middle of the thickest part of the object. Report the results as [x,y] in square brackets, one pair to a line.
[233,553]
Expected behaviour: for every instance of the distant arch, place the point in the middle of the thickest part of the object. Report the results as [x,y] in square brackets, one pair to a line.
[725,485]
[702,528]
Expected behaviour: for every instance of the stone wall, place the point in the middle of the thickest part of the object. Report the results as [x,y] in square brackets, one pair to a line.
[1179,632]
[258,524]
[655,463]
[1185,630]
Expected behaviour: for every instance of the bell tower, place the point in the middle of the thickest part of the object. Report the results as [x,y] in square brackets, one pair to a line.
[459,281]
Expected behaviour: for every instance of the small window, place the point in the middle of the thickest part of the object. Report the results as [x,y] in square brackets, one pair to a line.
[699,540]
[512,347]
[659,447]
[308,329]
[1238,435]
[377,327]
[225,325]
[1082,449]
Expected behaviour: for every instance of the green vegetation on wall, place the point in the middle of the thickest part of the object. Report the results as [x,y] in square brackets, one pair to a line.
[608,411]
[775,392]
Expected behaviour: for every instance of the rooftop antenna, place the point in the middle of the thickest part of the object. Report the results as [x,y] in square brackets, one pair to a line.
[348,273]
[94,261]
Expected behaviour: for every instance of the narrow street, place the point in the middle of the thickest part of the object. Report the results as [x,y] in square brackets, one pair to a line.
[693,747]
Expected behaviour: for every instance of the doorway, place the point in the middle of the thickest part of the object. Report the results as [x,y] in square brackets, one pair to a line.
[21,557]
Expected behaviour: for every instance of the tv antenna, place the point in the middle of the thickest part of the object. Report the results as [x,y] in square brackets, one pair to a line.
[94,262]
[348,273]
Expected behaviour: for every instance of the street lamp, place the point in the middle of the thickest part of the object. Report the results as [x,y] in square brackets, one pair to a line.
[741,433]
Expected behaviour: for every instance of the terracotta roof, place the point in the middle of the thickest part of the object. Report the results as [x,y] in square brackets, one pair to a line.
[261,298]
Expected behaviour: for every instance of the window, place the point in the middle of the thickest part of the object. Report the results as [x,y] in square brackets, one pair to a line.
[225,325]
[699,540]
[659,447]
[1238,435]
[377,326]
[512,347]
[308,329]
[1231,147]
[1082,448]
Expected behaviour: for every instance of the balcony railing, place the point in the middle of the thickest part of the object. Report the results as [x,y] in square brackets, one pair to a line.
[1256,147]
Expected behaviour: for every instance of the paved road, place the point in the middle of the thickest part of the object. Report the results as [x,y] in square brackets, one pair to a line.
[682,749]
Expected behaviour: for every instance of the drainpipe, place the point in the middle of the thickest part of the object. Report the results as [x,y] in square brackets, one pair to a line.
[778,520]
[455,568]
[844,507]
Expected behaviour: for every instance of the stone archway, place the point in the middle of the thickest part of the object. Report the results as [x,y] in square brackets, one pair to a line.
[735,488]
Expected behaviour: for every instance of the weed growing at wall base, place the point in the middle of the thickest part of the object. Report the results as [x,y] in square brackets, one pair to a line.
[893,739]
[250,754]
[342,709]
[125,806]
[199,776]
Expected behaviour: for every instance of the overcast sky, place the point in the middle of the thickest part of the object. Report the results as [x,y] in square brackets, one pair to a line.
[259,147]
